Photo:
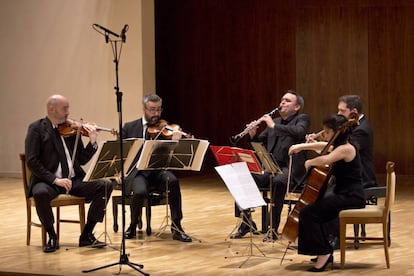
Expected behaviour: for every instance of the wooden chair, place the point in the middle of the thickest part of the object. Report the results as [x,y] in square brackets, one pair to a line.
[154,198]
[59,201]
[372,195]
[378,214]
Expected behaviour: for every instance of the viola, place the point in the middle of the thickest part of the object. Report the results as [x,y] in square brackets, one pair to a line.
[317,179]
[165,130]
[71,127]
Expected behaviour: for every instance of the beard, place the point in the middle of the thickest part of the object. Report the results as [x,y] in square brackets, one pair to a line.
[153,120]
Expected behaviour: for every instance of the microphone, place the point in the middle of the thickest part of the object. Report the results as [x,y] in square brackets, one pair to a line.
[124,30]
[106,30]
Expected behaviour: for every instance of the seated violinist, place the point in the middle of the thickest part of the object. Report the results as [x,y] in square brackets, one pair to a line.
[54,170]
[348,193]
[139,183]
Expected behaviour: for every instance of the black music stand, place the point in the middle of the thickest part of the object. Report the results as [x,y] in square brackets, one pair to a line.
[123,258]
[270,166]
[164,155]
[245,193]
[106,165]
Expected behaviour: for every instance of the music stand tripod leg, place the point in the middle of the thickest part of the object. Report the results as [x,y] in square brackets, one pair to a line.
[271,232]
[105,233]
[247,220]
[236,227]
[165,222]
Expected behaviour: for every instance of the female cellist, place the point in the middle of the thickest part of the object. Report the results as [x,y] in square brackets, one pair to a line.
[348,192]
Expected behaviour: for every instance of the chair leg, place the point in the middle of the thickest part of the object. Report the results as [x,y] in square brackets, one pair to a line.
[58,222]
[148,216]
[389,229]
[43,236]
[82,217]
[385,240]
[29,224]
[342,242]
[139,222]
[115,214]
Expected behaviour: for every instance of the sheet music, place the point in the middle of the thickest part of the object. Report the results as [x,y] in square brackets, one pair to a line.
[184,154]
[106,162]
[132,154]
[228,155]
[241,185]
[270,165]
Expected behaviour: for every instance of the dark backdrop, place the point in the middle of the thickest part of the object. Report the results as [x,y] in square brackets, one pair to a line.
[222,63]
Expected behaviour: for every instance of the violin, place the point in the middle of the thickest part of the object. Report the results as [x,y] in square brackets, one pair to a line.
[71,127]
[162,128]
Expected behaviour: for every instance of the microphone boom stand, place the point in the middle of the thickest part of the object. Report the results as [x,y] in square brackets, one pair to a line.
[123,258]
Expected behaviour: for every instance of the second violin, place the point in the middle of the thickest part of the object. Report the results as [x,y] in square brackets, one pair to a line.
[162,128]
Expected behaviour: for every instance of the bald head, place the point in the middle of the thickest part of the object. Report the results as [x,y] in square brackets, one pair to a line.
[57,109]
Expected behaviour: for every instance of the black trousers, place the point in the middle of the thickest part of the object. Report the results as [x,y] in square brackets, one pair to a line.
[139,184]
[93,192]
[313,219]
[279,185]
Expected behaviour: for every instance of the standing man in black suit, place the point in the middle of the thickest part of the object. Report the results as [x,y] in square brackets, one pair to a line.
[282,132]
[140,183]
[48,156]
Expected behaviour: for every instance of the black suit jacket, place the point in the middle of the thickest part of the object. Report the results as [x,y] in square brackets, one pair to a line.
[363,138]
[133,129]
[42,152]
[279,139]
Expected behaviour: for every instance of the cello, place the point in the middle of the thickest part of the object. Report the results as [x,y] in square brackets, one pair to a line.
[317,182]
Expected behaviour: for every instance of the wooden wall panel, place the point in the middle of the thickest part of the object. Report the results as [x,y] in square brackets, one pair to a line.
[391,71]
[223,63]
[331,57]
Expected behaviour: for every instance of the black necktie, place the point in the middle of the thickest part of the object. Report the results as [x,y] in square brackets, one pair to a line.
[62,156]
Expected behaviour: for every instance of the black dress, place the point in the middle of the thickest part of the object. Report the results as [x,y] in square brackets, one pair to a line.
[348,194]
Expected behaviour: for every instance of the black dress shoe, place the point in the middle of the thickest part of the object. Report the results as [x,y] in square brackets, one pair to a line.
[181,236]
[131,232]
[90,240]
[239,234]
[243,230]
[51,245]
[270,236]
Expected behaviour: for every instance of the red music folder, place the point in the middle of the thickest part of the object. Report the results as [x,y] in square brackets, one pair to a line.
[228,155]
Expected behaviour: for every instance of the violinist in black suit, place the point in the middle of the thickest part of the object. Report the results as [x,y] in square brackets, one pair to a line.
[140,183]
[49,157]
[281,132]
[362,135]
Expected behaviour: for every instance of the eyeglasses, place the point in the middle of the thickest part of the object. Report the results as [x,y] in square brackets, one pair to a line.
[154,109]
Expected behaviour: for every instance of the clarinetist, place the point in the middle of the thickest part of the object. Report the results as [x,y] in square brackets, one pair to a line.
[281,132]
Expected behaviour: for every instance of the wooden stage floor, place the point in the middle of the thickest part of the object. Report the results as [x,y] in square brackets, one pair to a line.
[208,216]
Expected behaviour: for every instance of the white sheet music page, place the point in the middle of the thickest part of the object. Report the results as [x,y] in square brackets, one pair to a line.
[241,185]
